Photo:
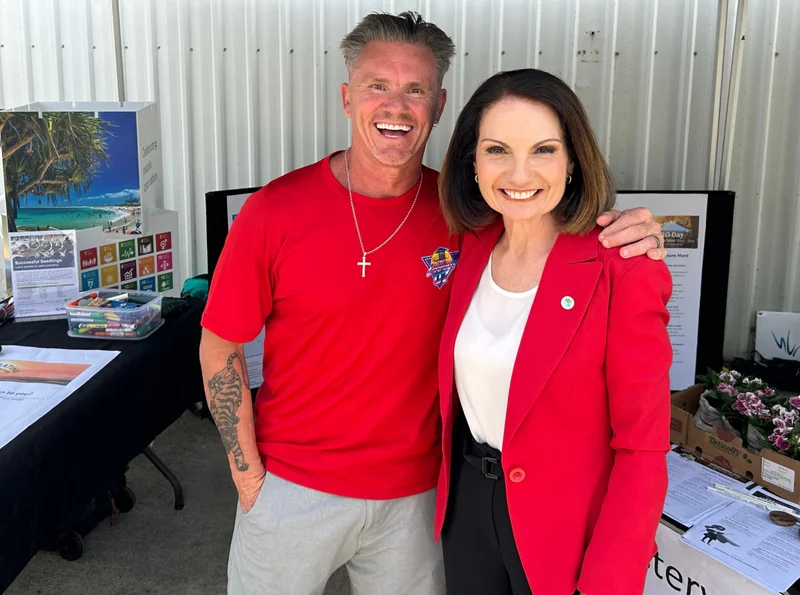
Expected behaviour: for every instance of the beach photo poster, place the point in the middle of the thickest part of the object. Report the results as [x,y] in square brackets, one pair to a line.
[71,170]
[44,272]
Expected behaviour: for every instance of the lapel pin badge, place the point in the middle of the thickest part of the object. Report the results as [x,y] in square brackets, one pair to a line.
[567,302]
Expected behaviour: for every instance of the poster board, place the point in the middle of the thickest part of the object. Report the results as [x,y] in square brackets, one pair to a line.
[697,227]
[222,207]
[78,166]
[135,262]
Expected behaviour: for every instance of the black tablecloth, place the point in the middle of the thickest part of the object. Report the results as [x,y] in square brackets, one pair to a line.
[75,449]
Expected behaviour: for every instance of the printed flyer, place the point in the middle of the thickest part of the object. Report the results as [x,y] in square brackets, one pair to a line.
[44,272]
[683,225]
[33,381]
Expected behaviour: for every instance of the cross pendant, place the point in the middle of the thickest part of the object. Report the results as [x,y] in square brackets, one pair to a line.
[364,264]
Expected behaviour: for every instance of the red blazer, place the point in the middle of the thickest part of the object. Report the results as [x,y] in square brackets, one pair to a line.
[587,425]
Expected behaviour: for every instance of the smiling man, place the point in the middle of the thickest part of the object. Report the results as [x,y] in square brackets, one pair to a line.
[347,263]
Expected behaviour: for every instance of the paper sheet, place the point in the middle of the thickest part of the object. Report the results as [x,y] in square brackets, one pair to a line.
[44,272]
[688,498]
[34,380]
[742,537]
[683,224]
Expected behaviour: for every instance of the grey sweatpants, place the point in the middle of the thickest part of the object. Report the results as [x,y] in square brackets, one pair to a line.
[294,538]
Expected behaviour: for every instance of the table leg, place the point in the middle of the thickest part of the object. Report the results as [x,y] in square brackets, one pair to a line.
[166,472]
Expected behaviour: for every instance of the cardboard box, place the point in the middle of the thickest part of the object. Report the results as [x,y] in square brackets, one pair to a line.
[781,475]
[774,471]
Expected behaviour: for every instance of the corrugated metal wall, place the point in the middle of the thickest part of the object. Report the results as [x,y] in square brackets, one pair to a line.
[763,167]
[249,89]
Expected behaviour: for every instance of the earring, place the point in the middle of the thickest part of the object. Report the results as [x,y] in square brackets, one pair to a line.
[569,179]
[476,178]
[435,124]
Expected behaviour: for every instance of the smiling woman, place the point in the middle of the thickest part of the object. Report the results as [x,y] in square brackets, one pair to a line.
[553,146]
[546,324]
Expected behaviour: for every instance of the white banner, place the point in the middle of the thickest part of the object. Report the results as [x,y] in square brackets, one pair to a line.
[679,568]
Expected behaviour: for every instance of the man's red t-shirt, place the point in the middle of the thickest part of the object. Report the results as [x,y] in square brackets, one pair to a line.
[349,403]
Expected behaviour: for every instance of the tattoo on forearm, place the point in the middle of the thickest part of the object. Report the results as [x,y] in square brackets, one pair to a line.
[225,397]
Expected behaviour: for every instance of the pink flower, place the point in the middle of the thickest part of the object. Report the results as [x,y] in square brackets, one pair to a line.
[765,414]
[779,440]
[795,402]
[768,392]
[727,389]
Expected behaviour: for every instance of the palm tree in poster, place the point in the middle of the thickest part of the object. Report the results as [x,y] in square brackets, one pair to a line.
[49,158]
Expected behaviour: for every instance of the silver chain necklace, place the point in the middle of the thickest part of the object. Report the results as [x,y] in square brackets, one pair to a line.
[364,264]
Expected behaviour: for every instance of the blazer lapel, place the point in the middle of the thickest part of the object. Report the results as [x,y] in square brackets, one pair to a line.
[565,290]
[475,252]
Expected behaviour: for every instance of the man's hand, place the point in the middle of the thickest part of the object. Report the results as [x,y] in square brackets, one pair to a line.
[250,488]
[635,230]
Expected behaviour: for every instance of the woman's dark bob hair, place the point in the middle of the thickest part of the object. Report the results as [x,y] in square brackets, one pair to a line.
[592,188]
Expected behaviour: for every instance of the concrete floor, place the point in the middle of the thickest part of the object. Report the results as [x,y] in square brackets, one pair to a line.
[155,549]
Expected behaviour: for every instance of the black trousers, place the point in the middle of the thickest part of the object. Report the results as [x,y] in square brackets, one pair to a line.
[480,556]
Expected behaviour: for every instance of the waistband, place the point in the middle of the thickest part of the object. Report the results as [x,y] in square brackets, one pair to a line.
[482,457]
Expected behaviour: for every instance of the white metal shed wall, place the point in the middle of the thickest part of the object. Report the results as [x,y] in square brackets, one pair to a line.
[249,89]
[763,153]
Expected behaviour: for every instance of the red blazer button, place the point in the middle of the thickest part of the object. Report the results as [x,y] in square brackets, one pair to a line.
[516,475]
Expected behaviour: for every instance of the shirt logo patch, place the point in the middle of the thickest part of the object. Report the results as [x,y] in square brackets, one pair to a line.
[440,264]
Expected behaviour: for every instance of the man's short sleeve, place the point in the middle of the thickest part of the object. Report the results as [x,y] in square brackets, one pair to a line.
[240,298]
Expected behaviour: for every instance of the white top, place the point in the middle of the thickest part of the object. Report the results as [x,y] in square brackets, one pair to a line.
[486,348]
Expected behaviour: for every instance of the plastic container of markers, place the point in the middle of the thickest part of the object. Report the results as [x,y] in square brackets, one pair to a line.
[136,319]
